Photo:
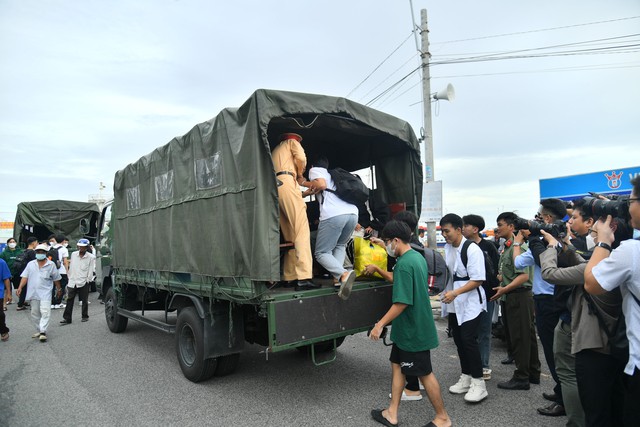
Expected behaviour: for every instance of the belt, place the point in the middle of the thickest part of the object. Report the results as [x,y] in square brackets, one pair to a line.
[285,173]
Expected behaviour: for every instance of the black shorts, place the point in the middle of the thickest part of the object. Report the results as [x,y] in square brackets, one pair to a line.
[416,364]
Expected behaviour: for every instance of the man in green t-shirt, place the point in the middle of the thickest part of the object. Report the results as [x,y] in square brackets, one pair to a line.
[414,331]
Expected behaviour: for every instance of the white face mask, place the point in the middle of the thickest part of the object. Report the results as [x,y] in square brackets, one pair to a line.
[12,245]
[65,244]
[391,251]
[590,242]
[52,243]
[636,234]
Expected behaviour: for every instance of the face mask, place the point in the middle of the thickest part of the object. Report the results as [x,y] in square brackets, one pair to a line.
[391,250]
[12,245]
[590,242]
[52,243]
[65,244]
[636,234]
[40,257]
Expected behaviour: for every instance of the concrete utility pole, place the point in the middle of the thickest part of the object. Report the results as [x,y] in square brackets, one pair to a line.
[426,99]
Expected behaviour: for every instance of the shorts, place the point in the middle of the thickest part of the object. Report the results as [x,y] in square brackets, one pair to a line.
[416,364]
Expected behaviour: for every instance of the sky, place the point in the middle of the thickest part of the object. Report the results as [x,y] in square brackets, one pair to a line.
[87,86]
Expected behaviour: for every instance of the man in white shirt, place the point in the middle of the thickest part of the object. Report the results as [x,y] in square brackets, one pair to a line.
[338,220]
[608,269]
[81,270]
[41,274]
[464,301]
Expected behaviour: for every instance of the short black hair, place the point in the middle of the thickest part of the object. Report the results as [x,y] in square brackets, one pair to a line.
[30,240]
[554,207]
[475,220]
[321,162]
[580,206]
[10,239]
[508,217]
[452,219]
[396,229]
[61,238]
[51,236]
[408,218]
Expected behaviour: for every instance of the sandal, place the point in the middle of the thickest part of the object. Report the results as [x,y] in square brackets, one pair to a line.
[4,337]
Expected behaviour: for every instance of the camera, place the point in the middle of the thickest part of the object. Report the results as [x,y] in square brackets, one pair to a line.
[617,207]
[557,228]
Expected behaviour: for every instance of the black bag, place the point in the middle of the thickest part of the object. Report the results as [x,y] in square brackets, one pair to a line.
[491,278]
[612,322]
[349,187]
[19,264]
[54,256]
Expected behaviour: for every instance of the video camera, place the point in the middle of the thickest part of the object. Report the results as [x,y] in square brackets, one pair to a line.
[557,229]
[616,206]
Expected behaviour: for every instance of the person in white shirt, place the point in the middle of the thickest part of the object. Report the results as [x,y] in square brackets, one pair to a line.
[81,270]
[60,242]
[338,220]
[41,274]
[608,269]
[464,301]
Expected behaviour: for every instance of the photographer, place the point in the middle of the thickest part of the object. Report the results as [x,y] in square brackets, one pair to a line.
[609,269]
[547,313]
[597,372]
[581,221]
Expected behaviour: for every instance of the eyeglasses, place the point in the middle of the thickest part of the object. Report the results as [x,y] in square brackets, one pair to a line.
[632,199]
[591,230]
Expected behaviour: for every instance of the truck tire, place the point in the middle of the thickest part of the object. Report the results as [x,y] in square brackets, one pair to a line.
[190,346]
[115,322]
[227,364]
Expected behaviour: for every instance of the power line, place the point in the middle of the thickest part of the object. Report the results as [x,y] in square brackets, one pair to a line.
[379,65]
[537,31]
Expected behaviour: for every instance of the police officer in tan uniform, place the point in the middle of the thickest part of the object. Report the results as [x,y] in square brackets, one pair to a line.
[289,162]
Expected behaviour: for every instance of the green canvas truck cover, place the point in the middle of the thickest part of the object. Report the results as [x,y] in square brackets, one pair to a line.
[53,217]
[207,202]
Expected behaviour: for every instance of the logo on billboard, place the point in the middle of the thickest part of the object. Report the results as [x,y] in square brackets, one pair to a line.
[614,180]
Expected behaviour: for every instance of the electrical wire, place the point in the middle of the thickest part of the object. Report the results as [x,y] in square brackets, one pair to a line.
[379,65]
[536,31]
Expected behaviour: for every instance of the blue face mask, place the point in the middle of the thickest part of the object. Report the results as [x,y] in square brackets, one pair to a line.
[636,234]
[40,257]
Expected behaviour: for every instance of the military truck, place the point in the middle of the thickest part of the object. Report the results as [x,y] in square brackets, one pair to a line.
[74,220]
[191,244]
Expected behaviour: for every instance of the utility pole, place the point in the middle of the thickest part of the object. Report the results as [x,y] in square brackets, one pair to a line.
[426,102]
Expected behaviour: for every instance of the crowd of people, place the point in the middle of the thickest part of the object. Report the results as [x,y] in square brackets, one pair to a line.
[45,277]
[576,292]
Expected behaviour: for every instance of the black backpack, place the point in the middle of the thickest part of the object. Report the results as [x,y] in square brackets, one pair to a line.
[20,263]
[53,255]
[437,270]
[491,280]
[349,187]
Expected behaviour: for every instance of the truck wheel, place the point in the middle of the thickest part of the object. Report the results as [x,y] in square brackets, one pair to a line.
[227,364]
[115,322]
[190,346]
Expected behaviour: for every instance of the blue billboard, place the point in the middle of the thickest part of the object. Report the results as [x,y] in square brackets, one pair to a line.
[614,181]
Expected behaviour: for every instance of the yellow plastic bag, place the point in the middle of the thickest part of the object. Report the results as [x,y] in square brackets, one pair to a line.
[365,253]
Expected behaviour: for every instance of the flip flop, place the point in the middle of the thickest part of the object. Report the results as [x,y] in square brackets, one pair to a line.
[4,337]
[376,414]
[345,287]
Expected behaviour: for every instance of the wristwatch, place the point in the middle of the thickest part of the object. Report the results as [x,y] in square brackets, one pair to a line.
[604,245]
[517,244]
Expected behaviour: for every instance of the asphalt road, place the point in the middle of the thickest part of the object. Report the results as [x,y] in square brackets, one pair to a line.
[87,376]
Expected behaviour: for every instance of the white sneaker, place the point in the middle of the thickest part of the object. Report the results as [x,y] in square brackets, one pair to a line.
[462,386]
[407,397]
[62,305]
[54,306]
[486,374]
[477,391]
[36,335]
